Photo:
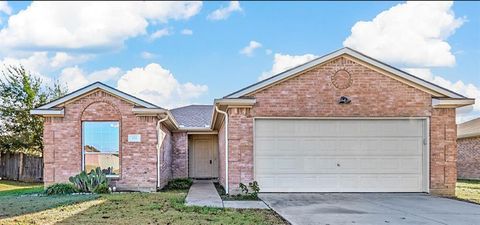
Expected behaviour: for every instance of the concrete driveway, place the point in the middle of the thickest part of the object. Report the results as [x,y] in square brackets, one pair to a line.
[371,209]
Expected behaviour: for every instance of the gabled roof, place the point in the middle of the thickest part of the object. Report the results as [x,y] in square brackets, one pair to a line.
[442,92]
[469,129]
[102,86]
[196,116]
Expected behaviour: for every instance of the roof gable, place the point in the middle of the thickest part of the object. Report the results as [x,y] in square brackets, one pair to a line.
[98,85]
[437,90]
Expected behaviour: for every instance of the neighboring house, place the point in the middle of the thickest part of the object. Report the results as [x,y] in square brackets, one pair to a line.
[468,144]
[343,122]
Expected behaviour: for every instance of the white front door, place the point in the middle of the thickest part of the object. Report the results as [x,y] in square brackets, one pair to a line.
[341,155]
[203,158]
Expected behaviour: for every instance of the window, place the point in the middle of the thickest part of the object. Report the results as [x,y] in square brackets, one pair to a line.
[100,147]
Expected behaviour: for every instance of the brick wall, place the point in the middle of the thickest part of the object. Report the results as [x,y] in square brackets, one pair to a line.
[443,152]
[221,155]
[312,94]
[468,163]
[180,155]
[62,141]
[166,155]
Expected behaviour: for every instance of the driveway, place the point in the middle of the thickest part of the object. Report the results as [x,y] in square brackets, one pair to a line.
[371,209]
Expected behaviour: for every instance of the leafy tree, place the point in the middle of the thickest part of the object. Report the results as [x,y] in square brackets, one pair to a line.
[20,92]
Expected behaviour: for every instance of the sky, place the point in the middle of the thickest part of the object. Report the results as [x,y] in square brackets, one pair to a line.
[179,53]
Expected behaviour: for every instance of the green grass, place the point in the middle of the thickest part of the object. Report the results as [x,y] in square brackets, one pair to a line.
[126,208]
[468,190]
[8,188]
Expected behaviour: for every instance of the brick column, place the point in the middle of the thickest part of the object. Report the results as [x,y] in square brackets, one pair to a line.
[443,152]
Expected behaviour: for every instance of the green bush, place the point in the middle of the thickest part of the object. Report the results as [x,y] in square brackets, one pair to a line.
[89,182]
[253,187]
[180,183]
[60,189]
[101,189]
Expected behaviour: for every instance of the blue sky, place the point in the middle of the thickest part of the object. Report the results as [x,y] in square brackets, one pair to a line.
[175,54]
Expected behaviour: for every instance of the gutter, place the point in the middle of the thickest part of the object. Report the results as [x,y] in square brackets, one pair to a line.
[158,146]
[226,146]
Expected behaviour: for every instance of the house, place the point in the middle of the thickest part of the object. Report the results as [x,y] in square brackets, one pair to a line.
[343,122]
[468,145]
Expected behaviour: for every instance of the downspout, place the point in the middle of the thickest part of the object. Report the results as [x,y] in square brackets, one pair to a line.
[226,146]
[159,145]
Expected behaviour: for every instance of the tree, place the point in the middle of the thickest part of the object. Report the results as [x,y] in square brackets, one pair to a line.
[20,92]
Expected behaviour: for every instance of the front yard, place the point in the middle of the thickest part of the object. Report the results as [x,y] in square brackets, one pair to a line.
[468,190]
[19,205]
[122,208]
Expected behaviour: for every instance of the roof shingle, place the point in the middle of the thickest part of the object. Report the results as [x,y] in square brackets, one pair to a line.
[193,115]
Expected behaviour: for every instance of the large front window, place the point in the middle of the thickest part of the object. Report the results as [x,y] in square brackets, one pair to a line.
[101,143]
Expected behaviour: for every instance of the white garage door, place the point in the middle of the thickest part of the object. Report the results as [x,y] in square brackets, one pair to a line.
[344,155]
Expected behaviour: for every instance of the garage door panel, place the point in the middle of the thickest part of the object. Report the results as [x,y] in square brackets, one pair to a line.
[339,183]
[339,155]
[299,165]
[339,146]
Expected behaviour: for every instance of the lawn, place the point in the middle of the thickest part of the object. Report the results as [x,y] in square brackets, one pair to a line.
[468,190]
[19,188]
[122,208]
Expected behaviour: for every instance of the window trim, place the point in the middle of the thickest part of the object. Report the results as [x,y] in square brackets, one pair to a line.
[83,152]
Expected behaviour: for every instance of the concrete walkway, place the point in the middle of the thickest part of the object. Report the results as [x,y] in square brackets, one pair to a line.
[203,193]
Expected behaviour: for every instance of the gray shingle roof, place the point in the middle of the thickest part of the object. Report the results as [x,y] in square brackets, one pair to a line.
[193,115]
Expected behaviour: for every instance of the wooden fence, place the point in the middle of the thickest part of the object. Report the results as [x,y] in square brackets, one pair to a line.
[21,167]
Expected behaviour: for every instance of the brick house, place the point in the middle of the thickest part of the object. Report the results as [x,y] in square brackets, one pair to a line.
[468,145]
[343,122]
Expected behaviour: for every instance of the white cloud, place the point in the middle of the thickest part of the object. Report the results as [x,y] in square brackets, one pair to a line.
[111,73]
[187,32]
[147,55]
[468,90]
[224,12]
[411,33]
[5,8]
[248,50]
[75,77]
[283,62]
[158,85]
[88,25]
[160,33]
[41,63]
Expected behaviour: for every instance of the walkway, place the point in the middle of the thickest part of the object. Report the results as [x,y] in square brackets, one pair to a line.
[203,193]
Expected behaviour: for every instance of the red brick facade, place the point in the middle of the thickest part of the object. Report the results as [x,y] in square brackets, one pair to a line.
[180,155]
[468,163]
[221,155]
[138,161]
[372,94]
[310,94]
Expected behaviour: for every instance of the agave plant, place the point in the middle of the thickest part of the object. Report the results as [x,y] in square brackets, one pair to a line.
[89,182]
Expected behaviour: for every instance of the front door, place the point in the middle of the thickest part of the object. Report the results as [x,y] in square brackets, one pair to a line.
[203,158]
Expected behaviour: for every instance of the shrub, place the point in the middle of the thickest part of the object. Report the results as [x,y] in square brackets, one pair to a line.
[89,182]
[60,189]
[101,189]
[180,183]
[253,187]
